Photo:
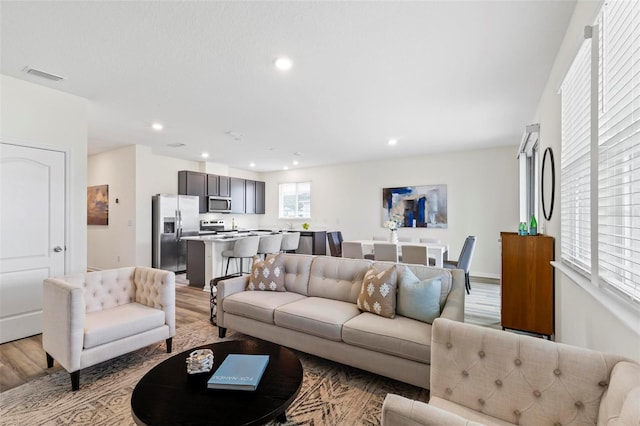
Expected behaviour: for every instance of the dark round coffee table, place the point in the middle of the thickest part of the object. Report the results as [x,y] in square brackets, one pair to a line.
[168,395]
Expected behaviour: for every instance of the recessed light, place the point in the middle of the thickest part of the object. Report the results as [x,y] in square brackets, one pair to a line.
[285,168]
[295,162]
[283,63]
[205,155]
[157,126]
[252,164]
[393,141]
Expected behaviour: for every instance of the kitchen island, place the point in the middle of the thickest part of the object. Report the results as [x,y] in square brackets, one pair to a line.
[204,256]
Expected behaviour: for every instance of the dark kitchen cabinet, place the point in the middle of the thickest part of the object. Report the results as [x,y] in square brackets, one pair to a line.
[237,191]
[250,196]
[212,185]
[260,190]
[223,186]
[194,183]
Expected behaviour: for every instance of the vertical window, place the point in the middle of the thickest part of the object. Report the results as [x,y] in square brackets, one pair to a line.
[612,110]
[294,200]
[619,148]
[575,191]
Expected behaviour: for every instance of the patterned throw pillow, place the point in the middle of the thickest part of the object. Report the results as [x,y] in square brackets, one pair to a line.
[419,299]
[267,274]
[378,292]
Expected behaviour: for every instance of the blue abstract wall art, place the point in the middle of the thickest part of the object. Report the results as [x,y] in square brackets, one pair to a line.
[416,206]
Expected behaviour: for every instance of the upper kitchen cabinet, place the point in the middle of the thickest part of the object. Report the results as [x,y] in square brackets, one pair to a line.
[260,191]
[194,183]
[237,192]
[224,189]
[212,185]
[250,196]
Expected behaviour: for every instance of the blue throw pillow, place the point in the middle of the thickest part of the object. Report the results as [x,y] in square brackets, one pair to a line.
[418,299]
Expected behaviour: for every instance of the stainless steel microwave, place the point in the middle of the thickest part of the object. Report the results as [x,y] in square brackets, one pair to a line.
[219,204]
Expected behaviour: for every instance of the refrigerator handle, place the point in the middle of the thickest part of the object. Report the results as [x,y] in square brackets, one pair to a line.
[178,225]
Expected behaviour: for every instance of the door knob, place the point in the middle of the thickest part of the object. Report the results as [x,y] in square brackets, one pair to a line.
[57,249]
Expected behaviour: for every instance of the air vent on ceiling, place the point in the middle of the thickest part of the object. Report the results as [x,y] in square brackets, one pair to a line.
[176,145]
[43,74]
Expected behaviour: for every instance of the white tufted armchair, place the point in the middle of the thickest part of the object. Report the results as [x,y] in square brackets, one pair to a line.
[92,317]
[482,376]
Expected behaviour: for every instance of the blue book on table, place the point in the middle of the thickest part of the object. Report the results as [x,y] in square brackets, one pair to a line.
[239,372]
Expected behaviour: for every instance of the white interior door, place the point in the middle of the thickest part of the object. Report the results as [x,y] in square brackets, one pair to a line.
[32,234]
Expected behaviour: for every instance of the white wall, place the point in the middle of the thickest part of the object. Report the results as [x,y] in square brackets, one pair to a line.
[38,116]
[482,190]
[134,174]
[581,319]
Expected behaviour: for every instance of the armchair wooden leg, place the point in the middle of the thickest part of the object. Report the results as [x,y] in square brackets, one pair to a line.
[75,380]
[169,341]
[49,360]
[222,331]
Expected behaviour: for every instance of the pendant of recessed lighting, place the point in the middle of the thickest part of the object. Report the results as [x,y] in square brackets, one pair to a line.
[283,63]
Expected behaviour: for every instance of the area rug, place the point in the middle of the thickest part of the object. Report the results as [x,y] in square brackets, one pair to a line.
[331,394]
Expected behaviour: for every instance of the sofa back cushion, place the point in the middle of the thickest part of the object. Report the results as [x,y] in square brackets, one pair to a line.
[105,289]
[296,272]
[620,403]
[337,278]
[519,379]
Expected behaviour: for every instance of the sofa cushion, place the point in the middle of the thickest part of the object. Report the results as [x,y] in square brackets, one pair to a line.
[378,292]
[258,305]
[267,274]
[401,336]
[471,415]
[418,299]
[426,272]
[108,325]
[296,272]
[337,278]
[316,316]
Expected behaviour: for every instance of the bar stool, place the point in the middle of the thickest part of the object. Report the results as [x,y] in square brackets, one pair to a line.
[269,244]
[290,241]
[245,247]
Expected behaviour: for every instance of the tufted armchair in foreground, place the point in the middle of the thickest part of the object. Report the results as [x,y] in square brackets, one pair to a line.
[482,376]
[92,317]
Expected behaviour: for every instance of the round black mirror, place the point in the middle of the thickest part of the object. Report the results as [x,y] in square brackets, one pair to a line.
[548,184]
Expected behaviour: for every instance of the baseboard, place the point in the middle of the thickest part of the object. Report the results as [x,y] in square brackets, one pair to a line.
[485,279]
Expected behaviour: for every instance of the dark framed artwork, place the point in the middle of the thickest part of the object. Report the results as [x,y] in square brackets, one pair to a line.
[416,206]
[98,205]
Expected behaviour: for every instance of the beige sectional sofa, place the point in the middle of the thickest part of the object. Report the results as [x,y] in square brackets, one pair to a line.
[317,314]
[482,376]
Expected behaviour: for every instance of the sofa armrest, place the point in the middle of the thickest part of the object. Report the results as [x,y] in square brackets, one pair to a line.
[156,288]
[401,411]
[454,306]
[63,316]
[226,288]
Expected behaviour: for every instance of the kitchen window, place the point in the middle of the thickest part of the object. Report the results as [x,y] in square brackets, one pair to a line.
[294,200]
[600,171]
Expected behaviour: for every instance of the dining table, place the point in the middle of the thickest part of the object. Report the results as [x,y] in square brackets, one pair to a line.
[435,251]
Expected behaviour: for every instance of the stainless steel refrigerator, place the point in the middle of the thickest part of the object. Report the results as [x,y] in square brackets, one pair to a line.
[173,217]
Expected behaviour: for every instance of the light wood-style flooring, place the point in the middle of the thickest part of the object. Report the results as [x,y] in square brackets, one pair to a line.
[23,360]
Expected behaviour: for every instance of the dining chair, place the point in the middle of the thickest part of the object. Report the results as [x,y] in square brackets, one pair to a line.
[415,255]
[290,242]
[352,250]
[385,252]
[335,243]
[380,238]
[245,247]
[464,261]
[269,244]
[405,239]
[429,240]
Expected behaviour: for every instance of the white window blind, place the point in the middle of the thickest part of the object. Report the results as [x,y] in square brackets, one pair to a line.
[619,148]
[575,193]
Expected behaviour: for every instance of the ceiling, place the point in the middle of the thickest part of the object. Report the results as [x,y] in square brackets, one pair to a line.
[435,75]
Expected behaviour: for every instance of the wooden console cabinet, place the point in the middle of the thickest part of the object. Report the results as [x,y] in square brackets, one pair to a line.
[527,283]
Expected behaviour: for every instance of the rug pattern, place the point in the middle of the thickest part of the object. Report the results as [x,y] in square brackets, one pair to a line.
[331,394]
